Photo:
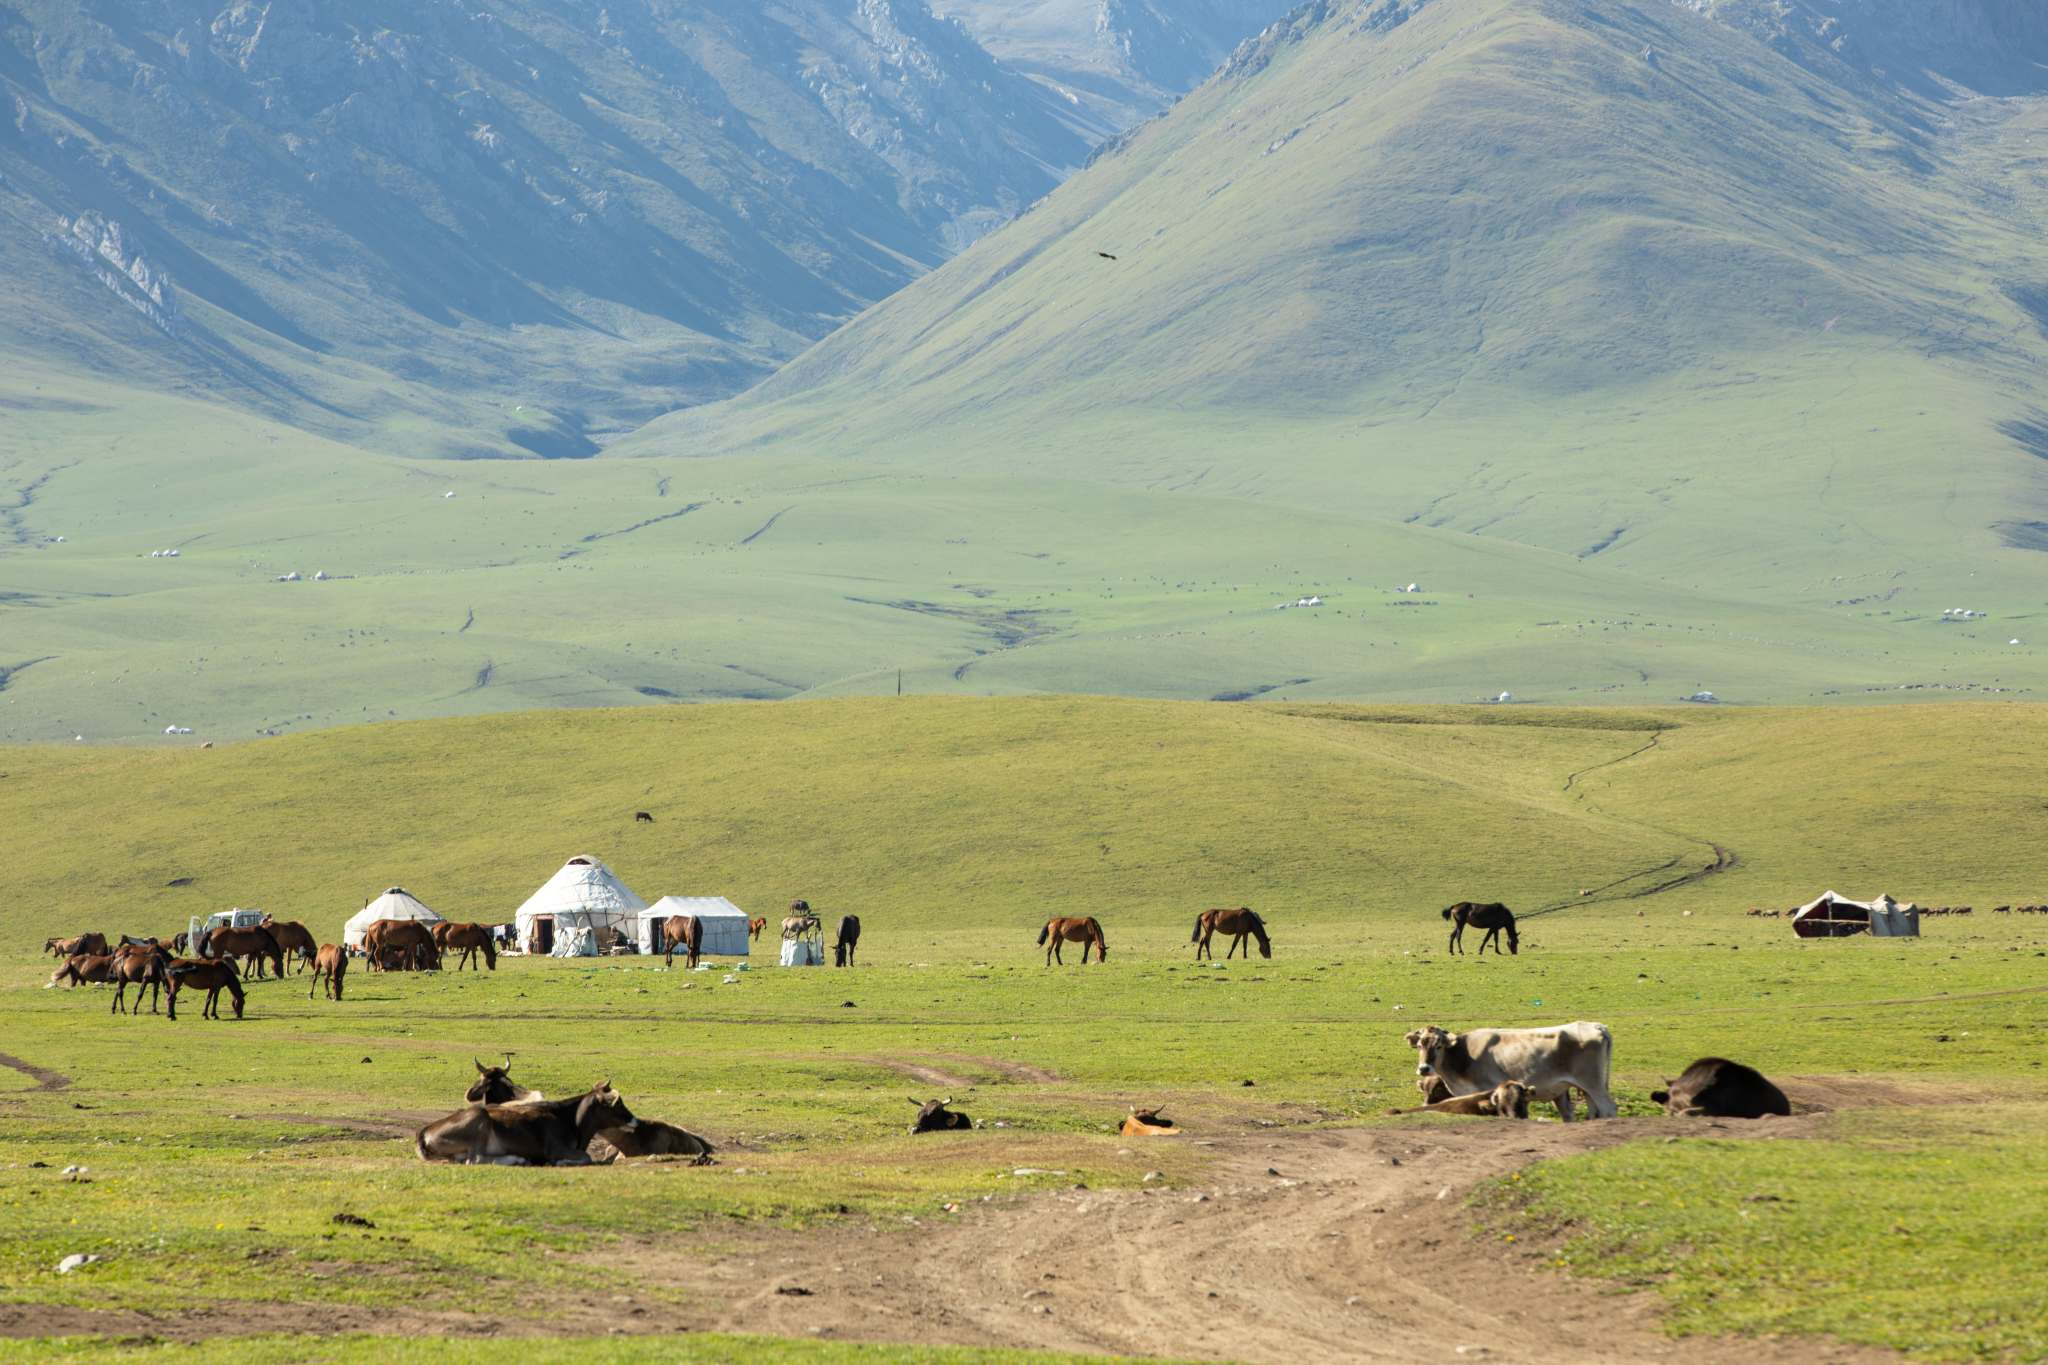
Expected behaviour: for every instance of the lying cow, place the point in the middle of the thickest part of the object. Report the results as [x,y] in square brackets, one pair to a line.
[651,1137]
[494,1085]
[1508,1100]
[1147,1123]
[934,1117]
[1716,1088]
[1549,1061]
[555,1133]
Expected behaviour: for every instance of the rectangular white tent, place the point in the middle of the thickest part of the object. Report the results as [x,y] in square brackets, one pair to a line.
[1835,916]
[725,924]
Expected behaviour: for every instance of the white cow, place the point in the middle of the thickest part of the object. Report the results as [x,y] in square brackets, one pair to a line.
[1550,1061]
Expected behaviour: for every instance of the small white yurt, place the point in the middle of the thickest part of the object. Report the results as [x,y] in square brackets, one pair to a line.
[725,924]
[393,904]
[584,895]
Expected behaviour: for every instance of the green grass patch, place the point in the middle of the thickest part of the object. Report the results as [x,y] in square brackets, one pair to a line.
[1918,1229]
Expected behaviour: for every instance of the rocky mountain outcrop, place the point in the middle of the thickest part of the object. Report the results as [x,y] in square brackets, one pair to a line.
[1932,47]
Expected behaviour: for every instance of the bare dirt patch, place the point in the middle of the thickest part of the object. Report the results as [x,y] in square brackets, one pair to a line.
[1308,1246]
[932,1075]
[45,1078]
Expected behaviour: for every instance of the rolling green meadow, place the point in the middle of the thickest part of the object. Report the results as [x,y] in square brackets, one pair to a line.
[954,827]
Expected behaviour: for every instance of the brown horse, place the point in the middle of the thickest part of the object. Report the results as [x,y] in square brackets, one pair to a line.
[85,945]
[143,967]
[255,945]
[212,975]
[407,935]
[1492,918]
[1240,924]
[849,939]
[685,932]
[85,970]
[1085,932]
[468,940]
[330,965]
[294,940]
[754,928]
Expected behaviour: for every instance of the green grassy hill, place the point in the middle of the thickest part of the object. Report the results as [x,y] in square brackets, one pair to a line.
[979,819]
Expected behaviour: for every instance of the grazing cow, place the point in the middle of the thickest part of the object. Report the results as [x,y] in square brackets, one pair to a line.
[1146,1123]
[934,1117]
[1492,918]
[494,1085]
[405,934]
[754,928]
[1549,1061]
[1508,1100]
[1716,1088]
[212,975]
[143,967]
[685,932]
[553,1133]
[467,940]
[330,965]
[85,945]
[642,817]
[84,969]
[257,945]
[294,940]
[849,939]
[650,1137]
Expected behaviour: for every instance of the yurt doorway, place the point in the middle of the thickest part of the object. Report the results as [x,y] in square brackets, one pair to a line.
[544,930]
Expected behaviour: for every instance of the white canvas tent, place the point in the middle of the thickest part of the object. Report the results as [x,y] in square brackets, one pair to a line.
[1834,916]
[725,924]
[393,904]
[583,895]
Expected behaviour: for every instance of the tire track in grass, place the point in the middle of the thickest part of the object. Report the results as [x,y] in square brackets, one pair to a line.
[45,1078]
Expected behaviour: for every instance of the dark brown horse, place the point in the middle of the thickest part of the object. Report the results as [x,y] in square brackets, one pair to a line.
[409,936]
[1240,924]
[143,967]
[85,970]
[294,940]
[212,975]
[685,932]
[849,939]
[330,965]
[1492,918]
[85,945]
[256,945]
[1085,932]
[467,940]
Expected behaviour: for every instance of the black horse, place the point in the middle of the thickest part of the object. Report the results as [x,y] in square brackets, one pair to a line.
[849,938]
[1492,918]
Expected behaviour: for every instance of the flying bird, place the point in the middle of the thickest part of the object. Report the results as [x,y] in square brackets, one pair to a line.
[1105,255]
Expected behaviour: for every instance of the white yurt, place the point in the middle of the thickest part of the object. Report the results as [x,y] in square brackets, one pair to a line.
[584,895]
[396,903]
[725,924]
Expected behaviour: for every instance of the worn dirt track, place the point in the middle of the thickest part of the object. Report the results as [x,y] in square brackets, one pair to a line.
[1342,1255]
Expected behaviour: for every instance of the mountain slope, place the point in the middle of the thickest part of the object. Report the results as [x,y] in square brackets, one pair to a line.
[379,219]
[1607,277]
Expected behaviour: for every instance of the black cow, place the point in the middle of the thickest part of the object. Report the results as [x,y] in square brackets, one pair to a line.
[934,1117]
[1716,1088]
[553,1133]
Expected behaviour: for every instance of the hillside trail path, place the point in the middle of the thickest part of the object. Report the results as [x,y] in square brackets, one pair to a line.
[1340,1256]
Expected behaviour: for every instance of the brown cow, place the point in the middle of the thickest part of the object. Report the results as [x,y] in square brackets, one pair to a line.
[1716,1088]
[554,1133]
[1508,1100]
[294,940]
[651,1137]
[934,1117]
[212,975]
[85,945]
[1147,1123]
[494,1085]
[1550,1061]
[404,934]
[467,940]
[330,965]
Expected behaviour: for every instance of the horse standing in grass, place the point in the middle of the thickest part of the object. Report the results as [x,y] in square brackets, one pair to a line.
[685,932]
[409,936]
[330,965]
[212,975]
[754,928]
[85,945]
[1240,924]
[1085,932]
[294,940]
[467,940]
[849,939]
[84,970]
[143,967]
[254,944]
[1492,918]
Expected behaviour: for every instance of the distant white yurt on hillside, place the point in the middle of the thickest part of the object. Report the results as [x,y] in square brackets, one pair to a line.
[725,924]
[396,903]
[583,895]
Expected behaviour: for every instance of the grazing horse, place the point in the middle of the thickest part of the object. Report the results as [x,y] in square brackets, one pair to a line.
[330,964]
[181,942]
[1085,932]
[410,936]
[849,939]
[1492,918]
[146,970]
[85,945]
[468,940]
[293,939]
[754,928]
[685,932]
[84,969]
[1240,924]
[212,975]
[494,1085]
[254,944]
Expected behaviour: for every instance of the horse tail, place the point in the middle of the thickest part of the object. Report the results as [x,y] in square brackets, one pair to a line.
[1448,909]
[1045,933]
[1196,937]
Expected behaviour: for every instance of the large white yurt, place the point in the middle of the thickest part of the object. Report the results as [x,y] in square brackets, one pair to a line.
[393,904]
[576,906]
[725,924]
